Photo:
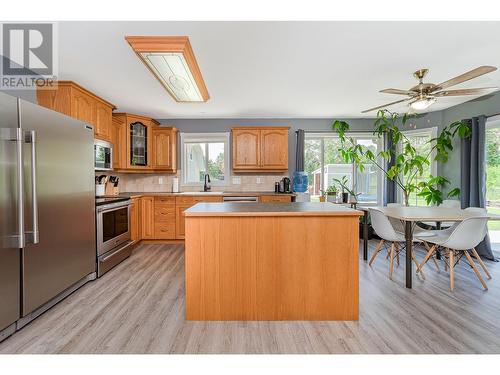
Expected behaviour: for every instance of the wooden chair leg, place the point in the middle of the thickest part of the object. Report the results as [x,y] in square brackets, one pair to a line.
[391,267]
[445,254]
[419,268]
[426,245]
[435,262]
[426,258]
[452,275]
[474,268]
[397,253]
[476,255]
[377,250]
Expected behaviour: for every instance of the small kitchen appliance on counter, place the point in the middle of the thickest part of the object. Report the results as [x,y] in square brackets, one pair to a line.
[283,186]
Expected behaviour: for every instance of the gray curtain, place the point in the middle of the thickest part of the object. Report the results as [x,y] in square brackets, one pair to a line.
[390,195]
[473,174]
[299,154]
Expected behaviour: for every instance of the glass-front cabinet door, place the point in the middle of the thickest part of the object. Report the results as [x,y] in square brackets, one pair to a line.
[138,144]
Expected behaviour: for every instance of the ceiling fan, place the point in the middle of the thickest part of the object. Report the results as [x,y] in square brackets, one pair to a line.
[423,95]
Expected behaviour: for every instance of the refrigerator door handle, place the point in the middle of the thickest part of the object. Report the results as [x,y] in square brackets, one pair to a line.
[30,137]
[16,135]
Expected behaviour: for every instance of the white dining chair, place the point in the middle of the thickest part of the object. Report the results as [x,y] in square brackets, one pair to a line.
[398,224]
[464,237]
[449,203]
[399,227]
[384,229]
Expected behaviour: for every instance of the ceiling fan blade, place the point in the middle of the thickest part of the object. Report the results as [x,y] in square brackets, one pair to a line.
[397,92]
[465,77]
[386,105]
[477,91]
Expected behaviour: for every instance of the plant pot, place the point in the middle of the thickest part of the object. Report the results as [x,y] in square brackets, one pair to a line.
[345,197]
[332,198]
[322,198]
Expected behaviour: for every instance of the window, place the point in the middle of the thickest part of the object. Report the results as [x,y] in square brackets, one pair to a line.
[493,178]
[205,153]
[420,140]
[323,164]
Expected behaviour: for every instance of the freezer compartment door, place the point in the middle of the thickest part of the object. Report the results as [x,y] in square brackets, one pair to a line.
[64,202]
[10,207]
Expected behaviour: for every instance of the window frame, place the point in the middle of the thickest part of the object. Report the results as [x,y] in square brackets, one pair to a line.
[218,137]
[432,131]
[361,135]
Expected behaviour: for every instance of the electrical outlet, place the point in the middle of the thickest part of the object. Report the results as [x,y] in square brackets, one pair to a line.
[236,180]
[259,180]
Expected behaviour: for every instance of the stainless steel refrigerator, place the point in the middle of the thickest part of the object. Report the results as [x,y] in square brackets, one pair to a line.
[47,209]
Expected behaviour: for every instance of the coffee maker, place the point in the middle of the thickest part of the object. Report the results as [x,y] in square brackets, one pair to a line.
[284,186]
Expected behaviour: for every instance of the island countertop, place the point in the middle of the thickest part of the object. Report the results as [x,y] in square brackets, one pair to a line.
[270,209]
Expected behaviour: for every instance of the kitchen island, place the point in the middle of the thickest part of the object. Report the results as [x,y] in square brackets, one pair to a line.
[268,261]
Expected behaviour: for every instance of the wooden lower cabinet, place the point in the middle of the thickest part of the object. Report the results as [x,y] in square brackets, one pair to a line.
[162,217]
[147,218]
[179,220]
[135,219]
[181,205]
[275,198]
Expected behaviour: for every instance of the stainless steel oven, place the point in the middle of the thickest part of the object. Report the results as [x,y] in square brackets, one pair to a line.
[103,155]
[113,233]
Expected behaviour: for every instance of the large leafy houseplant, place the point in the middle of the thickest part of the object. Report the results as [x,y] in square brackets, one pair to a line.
[401,162]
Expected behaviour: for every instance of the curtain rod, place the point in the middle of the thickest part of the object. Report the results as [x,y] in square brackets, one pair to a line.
[493,115]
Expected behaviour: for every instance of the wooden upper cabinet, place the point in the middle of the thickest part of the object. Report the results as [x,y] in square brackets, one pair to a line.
[103,121]
[142,145]
[83,107]
[75,101]
[164,149]
[119,140]
[274,149]
[246,149]
[260,149]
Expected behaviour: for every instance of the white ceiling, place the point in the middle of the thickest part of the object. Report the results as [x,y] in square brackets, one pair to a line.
[280,69]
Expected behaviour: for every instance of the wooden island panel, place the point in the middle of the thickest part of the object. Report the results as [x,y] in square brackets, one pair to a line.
[272,267]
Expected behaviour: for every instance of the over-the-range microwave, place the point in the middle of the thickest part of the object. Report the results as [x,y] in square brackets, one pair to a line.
[103,155]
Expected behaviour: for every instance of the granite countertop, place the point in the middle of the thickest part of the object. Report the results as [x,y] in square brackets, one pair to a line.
[270,209]
[207,193]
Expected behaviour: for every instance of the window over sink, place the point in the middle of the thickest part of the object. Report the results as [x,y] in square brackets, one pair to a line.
[203,153]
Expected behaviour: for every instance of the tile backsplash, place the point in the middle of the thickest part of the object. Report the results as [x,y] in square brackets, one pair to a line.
[137,182]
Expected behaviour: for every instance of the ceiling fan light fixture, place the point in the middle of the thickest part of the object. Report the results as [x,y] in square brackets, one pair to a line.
[422,103]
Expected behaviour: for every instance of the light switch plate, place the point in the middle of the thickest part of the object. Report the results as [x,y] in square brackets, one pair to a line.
[236,180]
[160,180]
[259,180]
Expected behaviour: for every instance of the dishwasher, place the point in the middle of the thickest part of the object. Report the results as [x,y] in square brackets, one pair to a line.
[240,199]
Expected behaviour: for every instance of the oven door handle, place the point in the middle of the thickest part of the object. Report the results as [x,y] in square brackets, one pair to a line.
[104,210]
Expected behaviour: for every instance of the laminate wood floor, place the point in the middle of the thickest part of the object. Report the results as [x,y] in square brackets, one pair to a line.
[138,307]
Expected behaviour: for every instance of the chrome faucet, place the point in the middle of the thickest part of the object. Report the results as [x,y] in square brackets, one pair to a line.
[206,186]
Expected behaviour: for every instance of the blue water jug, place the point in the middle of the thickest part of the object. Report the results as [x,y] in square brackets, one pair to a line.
[299,182]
